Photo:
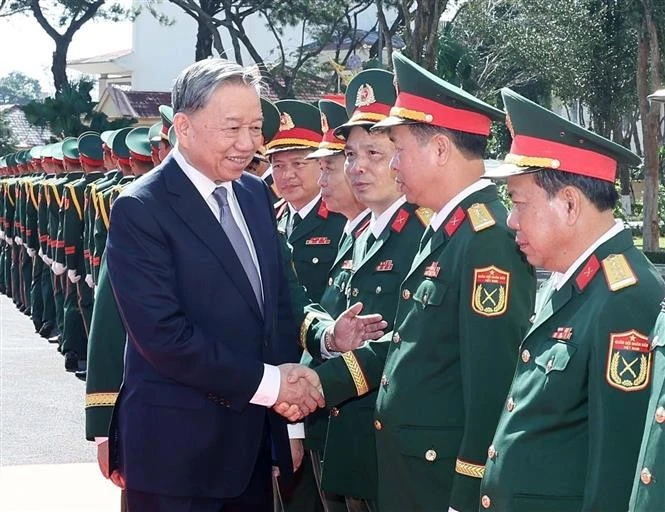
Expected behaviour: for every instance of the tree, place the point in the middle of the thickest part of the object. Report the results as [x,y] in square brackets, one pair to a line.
[6,137]
[69,113]
[69,15]
[18,88]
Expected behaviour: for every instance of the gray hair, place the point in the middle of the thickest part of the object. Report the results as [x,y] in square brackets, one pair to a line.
[196,83]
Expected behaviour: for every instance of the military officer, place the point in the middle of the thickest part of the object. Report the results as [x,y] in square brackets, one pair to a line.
[260,164]
[443,372]
[647,494]
[569,432]
[155,138]
[166,113]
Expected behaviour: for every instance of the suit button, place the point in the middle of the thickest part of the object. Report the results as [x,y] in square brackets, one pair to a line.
[510,405]
[491,452]
[377,425]
[645,476]
[430,455]
[384,381]
[548,366]
[378,290]
[526,355]
[485,501]
[315,260]
[396,338]
[334,412]
[660,414]
[330,281]
[406,294]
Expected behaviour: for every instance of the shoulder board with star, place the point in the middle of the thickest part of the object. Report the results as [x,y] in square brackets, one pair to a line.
[618,272]
[323,210]
[424,215]
[400,220]
[480,217]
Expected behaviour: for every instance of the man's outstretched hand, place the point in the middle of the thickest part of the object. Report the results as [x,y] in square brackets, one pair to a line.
[299,392]
[351,329]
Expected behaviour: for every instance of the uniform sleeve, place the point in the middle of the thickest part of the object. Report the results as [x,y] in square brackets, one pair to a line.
[497,293]
[312,328]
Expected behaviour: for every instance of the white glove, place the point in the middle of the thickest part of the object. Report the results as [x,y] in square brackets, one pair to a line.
[9,240]
[2,234]
[73,276]
[89,281]
[58,268]
[31,252]
[47,260]
[18,240]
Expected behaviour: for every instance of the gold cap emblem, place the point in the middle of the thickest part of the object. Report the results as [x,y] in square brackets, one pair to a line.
[285,122]
[324,123]
[365,96]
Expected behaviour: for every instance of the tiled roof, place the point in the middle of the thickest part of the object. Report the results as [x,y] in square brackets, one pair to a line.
[25,135]
[310,88]
[138,104]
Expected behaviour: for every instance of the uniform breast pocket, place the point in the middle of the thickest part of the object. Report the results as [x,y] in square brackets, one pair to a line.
[381,283]
[554,355]
[316,256]
[429,293]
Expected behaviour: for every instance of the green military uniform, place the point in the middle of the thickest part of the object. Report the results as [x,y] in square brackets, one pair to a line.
[648,492]
[3,178]
[569,433]
[269,128]
[443,371]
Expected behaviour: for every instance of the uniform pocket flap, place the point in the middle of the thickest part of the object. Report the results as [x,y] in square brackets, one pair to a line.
[430,293]
[556,357]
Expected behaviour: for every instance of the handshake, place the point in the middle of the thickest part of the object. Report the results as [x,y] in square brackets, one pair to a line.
[300,392]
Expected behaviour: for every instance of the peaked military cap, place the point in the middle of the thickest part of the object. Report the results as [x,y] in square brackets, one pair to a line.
[138,144]
[423,97]
[47,152]
[70,150]
[90,149]
[270,120]
[36,152]
[154,134]
[299,127]
[10,160]
[56,152]
[173,138]
[369,97]
[542,139]
[23,157]
[333,114]
[166,113]
[119,146]
[106,137]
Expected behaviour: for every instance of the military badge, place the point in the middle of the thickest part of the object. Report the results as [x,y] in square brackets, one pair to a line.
[323,210]
[285,122]
[400,221]
[432,270]
[509,125]
[324,123]
[365,96]
[628,361]
[491,287]
[563,333]
[385,266]
[347,265]
[587,273]
[318,240]
[424,215]
[454,222]
[618,272]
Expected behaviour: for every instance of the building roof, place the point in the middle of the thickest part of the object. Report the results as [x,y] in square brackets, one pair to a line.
[25,134]
[107,63]
[137,104]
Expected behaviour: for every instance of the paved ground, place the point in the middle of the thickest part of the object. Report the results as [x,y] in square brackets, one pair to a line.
[45,462]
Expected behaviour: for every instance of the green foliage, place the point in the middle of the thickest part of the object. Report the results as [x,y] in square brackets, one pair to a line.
[62,12]
[18,89]
[70,112]
[6,137]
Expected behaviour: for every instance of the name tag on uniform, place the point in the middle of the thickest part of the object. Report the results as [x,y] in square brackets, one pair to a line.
[318,240]
[385,266]
[432,270]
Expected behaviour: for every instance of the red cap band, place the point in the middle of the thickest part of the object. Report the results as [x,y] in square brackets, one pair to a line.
[139,157]
[90,161]
[295,137]
[422,110]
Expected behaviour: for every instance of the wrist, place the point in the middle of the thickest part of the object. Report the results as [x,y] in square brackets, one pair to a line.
[329,339]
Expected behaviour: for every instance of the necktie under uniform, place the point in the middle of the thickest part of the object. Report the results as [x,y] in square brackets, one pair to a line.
[238,242]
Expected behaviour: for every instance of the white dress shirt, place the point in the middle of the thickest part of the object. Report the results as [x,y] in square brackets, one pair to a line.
[378,224]
[303,212]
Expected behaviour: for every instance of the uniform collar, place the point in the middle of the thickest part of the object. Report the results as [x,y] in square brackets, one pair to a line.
[443,213]
[304,211]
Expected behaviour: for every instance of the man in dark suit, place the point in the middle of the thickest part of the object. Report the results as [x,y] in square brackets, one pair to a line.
[196,269]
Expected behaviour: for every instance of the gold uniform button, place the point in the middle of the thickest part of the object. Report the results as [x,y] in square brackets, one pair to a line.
[330,281]
[526,355]
[510,405]
[355,292]
[315,260]
[548,367]
[406,294]
[378,290]
[645,476]
[660,414]
[430,455]
[485,501]
[334,412]
[377,425]
[384,381]
[491,452]
[396,338]
[425,298]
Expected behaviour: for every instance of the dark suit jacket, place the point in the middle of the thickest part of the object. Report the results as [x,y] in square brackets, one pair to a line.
[183,424]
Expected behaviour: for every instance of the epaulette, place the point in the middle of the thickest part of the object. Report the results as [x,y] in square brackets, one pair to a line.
[618,272]
[400,220]
[424,215]
[323,210]
[480,217]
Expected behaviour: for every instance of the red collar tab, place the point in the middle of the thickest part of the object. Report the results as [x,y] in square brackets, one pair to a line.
[362,228]
[587,273]
[323,210]
[455,221]
[400,220]
[423,110]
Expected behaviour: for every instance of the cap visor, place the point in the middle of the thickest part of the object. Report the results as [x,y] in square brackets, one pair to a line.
[321,152]
[391,121]
[495,169]
[288,148]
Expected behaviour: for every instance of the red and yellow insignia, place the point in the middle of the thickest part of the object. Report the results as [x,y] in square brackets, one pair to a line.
[318,240]
[347,265]
[400,221]
[323,210]
[491,287]
[587,273]
[324,123]
[628,361]
[285,122]
[365,96]
[563,333]
[454,222]
[432,270]
[385,266]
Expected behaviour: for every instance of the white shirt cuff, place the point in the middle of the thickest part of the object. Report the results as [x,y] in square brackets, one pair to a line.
[325,353]
[268,389]
[100,440]
[296,430]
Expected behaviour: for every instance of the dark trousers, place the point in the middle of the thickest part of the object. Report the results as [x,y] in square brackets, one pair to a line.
[36,298]
[59,301]
[74,338]
[26,277]
[48,300]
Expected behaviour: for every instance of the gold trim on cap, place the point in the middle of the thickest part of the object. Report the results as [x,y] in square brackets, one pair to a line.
[413,115]
[291,142]
[468,469]
[532,161]
[356,373]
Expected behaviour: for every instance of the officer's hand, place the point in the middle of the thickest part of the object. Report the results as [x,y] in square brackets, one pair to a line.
[9,240]
[18,240]
[103,457]
[89,281]
[58,268]
[31,252]
[351,329]
[73,276]
[47,260]
[297,453]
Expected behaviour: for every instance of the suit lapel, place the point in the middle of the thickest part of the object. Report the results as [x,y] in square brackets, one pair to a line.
[195,212]
[307,224]
[434,243]
[551,306]
[344,248]
[376,246]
